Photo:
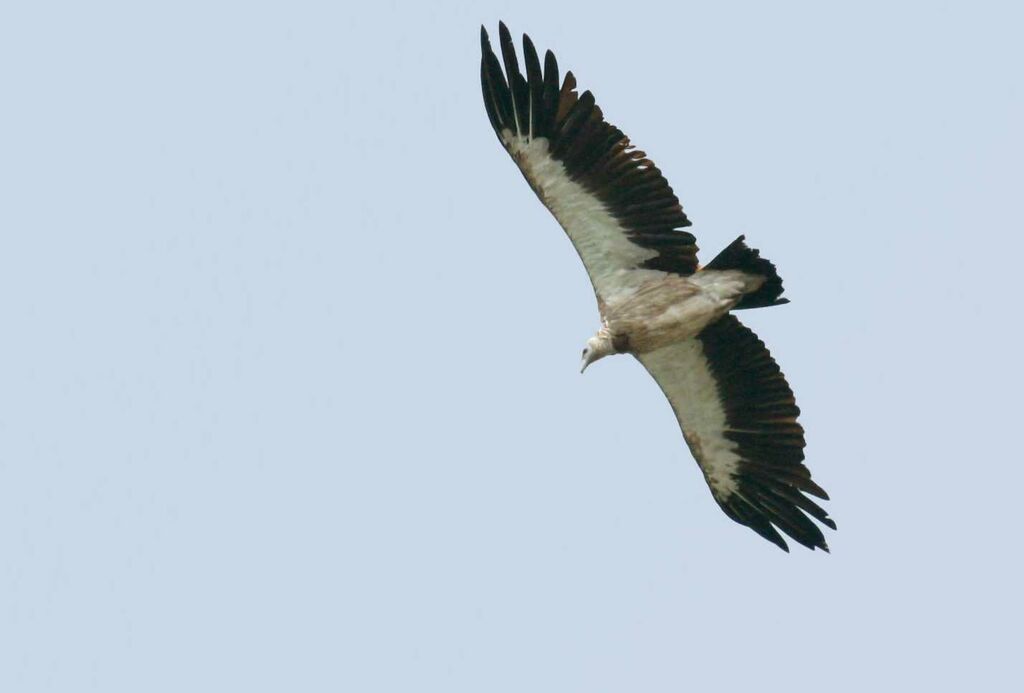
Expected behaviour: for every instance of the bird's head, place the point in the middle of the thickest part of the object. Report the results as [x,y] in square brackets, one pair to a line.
[598,346]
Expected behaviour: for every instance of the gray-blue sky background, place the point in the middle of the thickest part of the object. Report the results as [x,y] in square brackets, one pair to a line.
[289,390]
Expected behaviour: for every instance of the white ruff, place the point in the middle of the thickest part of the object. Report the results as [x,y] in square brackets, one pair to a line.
[684,376]
[600,239]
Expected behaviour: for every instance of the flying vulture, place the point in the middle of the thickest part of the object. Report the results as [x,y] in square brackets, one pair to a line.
[732,402]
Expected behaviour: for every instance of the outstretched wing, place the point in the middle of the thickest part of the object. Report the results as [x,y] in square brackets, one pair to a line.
[612,201]
[738,416]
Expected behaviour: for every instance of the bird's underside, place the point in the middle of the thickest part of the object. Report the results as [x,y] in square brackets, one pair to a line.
[668,309]
[736,411]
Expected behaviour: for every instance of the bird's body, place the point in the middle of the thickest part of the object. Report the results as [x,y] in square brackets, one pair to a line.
[669,309]
[732,402]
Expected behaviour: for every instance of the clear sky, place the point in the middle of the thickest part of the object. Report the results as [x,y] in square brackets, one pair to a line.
[289,389]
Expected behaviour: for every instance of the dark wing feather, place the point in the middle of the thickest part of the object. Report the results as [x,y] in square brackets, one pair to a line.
[553,133]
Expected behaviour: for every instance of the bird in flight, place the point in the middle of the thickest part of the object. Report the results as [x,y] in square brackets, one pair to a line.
[736,411]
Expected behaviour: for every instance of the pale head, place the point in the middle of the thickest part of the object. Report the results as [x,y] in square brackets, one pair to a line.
[598,346]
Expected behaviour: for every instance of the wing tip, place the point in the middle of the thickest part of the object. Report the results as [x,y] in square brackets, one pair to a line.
[504,35]
[769,524]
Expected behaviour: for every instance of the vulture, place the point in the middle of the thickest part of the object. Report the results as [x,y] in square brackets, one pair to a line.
[733,404]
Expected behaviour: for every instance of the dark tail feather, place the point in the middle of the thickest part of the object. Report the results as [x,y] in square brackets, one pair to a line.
[738,256]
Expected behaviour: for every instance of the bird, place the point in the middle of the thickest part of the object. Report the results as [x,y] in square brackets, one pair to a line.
[737,412]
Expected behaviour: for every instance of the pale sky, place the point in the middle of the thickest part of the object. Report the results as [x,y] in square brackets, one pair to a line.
[289,386]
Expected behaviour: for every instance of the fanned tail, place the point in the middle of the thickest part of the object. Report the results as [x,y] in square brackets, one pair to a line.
[739,256]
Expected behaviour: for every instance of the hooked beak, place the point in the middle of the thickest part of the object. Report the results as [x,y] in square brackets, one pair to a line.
[587,360]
